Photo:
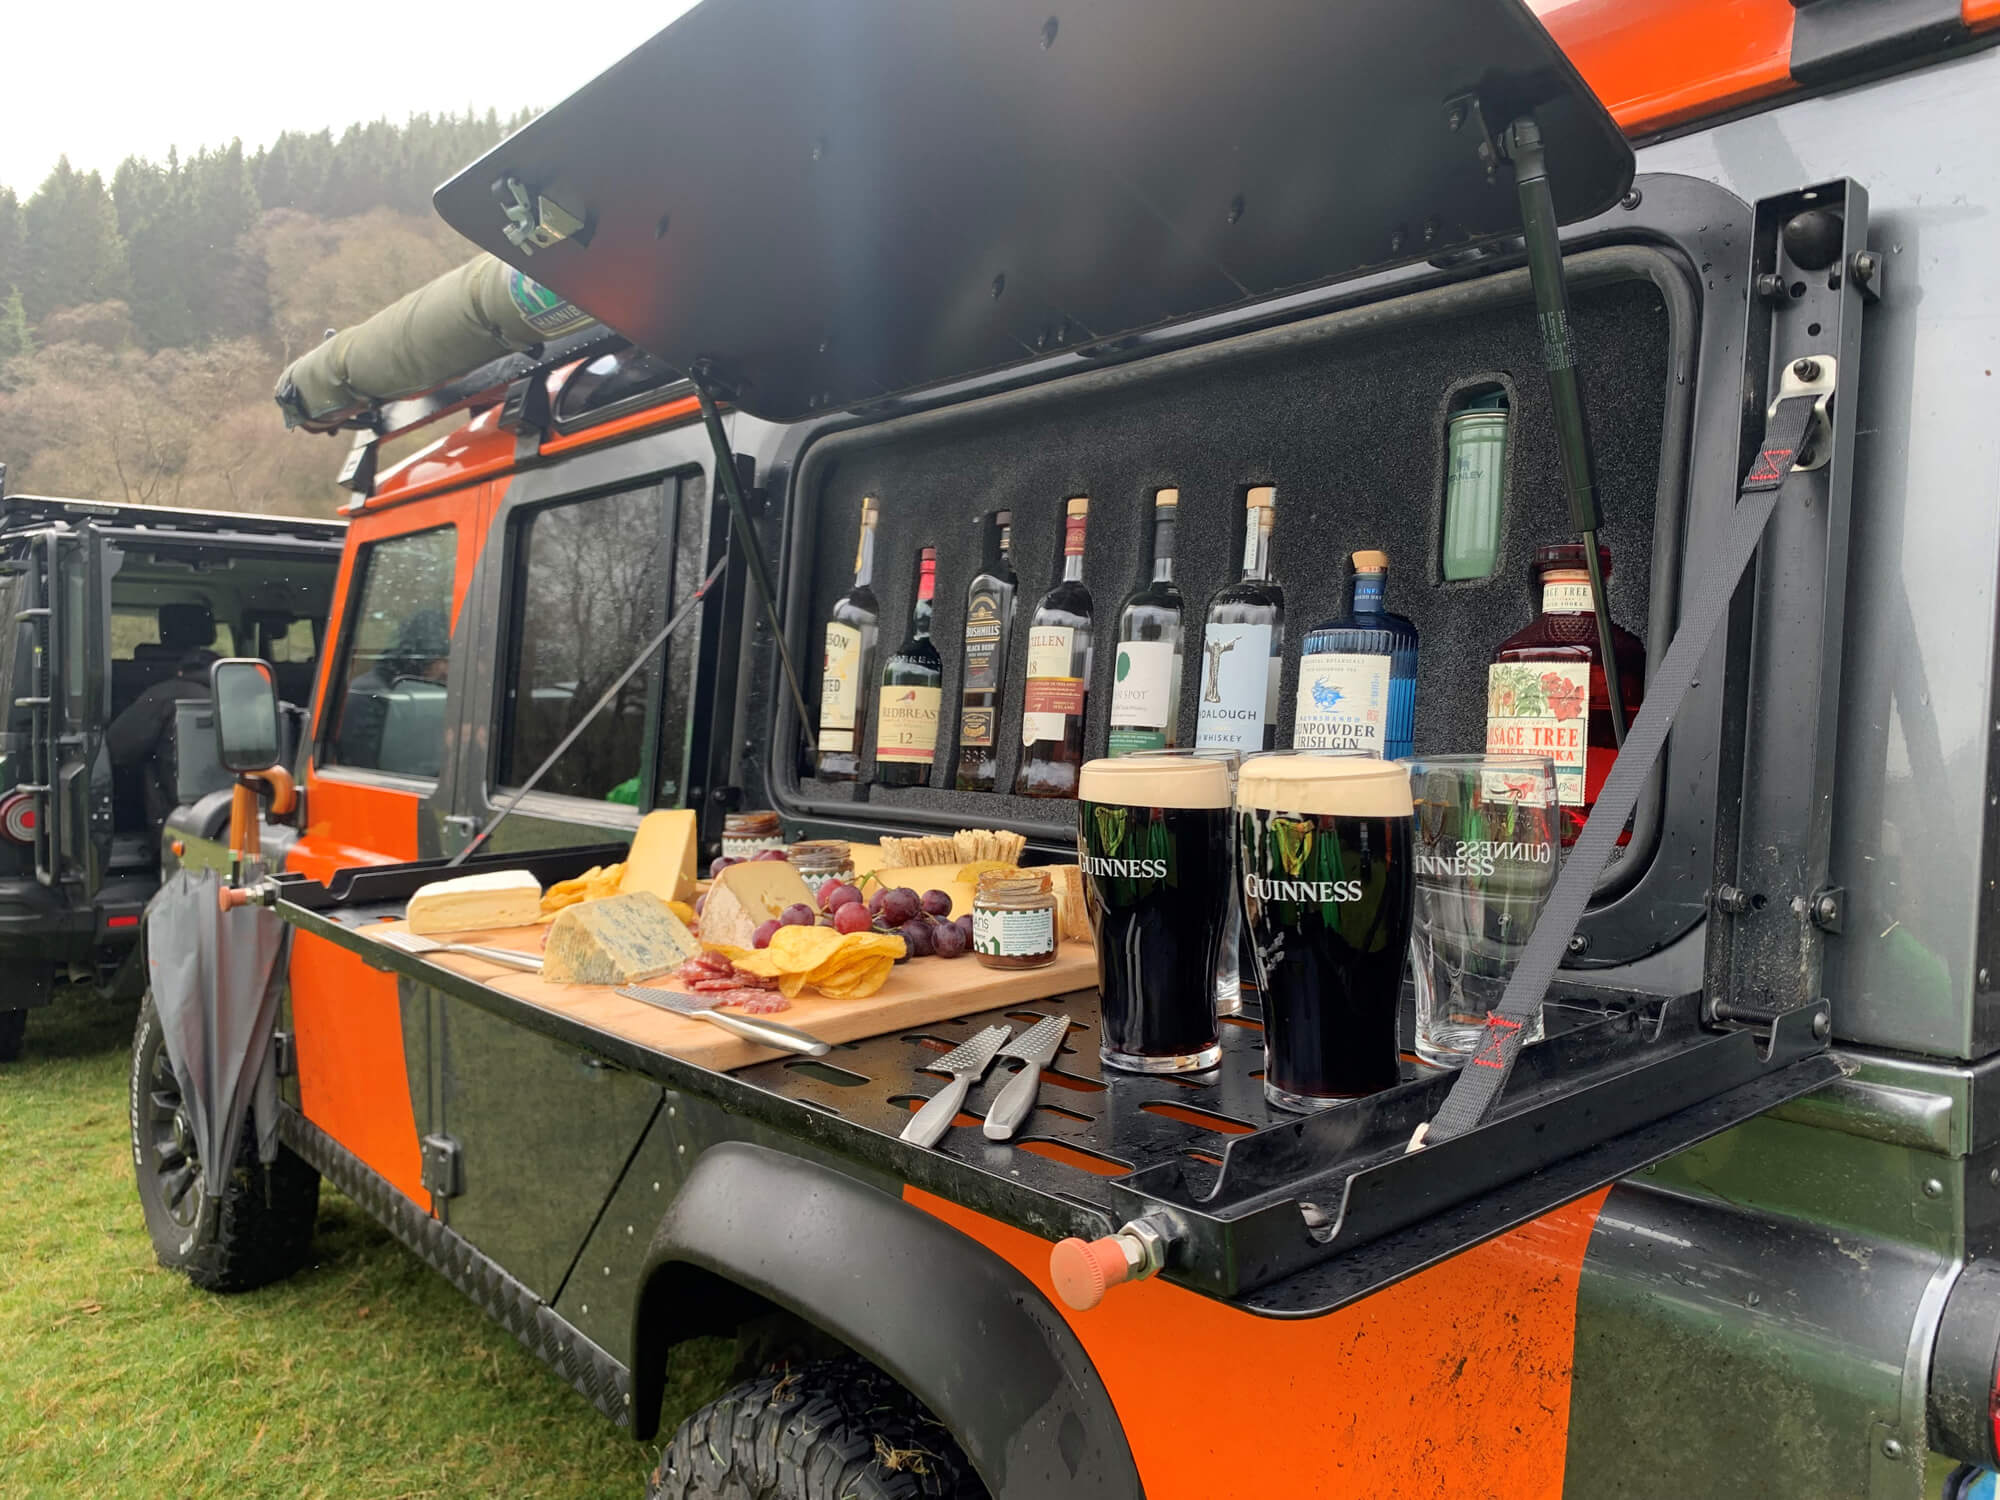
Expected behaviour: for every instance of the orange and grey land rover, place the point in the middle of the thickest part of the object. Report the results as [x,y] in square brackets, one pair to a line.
[1724,271]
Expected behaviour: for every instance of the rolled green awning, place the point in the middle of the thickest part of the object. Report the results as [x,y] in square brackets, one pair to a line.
[444,329]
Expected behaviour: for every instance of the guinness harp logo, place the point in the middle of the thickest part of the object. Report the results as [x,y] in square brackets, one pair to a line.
[1110,827]
[1293,839]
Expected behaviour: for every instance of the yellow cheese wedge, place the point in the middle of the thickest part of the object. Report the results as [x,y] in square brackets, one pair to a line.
[616,940]
[744,897]
[921,878]
[662,856]
[470,903]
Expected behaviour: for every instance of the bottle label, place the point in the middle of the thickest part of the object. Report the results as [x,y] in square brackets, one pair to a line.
[983,629]
[1567,593]
[1051,694]
[906,723]
[1013,934]
[1143,685]
[1343,703]
[1238,685]
[1541,708]
[840,687]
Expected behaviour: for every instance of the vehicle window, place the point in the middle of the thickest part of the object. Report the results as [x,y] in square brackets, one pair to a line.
[390,714]
[285,642]
[591,585]
[76,641]
[12,589]
[609,379]
[136,626]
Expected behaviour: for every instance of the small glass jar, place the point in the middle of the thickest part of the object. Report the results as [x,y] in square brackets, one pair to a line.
[747,835]
[819,861]
[1014,920]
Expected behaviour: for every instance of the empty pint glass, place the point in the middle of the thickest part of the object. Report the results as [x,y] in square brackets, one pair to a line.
[1153,839]
[1328,883]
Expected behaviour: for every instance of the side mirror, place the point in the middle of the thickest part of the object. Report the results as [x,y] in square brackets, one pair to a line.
[246,714]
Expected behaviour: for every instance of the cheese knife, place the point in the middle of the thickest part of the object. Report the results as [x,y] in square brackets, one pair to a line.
[411,942]
[1037,1048]
[759,1029]
[967,1063]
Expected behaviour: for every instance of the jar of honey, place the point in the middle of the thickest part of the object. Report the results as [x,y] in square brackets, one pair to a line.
[1014,920]
[748,834]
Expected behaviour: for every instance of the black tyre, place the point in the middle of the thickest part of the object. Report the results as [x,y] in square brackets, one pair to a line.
[263,1232]
[13,1028]
[836,1429]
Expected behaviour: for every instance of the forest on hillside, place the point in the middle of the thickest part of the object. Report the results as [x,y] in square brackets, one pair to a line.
[143,321]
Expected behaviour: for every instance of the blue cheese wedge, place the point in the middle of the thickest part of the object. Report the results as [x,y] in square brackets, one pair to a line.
[616,940]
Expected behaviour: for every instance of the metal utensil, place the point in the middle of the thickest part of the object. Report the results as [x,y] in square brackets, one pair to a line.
[411,942]
[967,1063]
[750,1028]
[1037,1048]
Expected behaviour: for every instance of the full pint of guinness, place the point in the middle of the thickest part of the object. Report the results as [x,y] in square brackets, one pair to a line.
[1328,885]
[1154,842]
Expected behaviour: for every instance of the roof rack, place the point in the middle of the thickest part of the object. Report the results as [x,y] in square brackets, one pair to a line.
[18,512]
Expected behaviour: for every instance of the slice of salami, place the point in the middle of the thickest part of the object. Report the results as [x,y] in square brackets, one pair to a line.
[754,1002]
[715,986]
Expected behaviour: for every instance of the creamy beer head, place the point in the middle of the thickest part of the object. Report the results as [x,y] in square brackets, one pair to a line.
[1159,781]
[1339,786]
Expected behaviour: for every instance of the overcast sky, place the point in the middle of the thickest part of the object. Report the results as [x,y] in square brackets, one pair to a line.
[106,79]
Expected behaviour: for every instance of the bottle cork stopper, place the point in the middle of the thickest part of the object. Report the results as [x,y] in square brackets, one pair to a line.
[868,507]
[1080,506]
[1261,497]
[1167,497]
[1371,562]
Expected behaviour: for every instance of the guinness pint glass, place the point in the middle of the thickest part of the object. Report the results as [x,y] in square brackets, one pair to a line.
[1153,839]
[1328,884]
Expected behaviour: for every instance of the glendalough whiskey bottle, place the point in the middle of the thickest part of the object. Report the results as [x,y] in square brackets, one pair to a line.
[1237,708]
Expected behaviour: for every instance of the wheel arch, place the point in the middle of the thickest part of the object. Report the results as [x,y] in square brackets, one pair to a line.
[962,1330]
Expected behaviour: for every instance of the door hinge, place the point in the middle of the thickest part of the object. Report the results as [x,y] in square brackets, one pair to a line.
[284,1059]
[443,1167]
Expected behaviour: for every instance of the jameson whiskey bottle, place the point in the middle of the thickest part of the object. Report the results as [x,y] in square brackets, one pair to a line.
[1358,674]
[1545,692]
[1058,675]
[1146,687]
[849,663]
[989,619]
[906,719]
[1244,645]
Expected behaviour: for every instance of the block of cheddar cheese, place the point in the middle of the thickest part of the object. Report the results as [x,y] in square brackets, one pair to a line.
[618,939]
[744,897]
[473,903]
[662,858]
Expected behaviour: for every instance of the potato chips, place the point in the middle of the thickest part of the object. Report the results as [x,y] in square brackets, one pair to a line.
[840,965]
[596,882]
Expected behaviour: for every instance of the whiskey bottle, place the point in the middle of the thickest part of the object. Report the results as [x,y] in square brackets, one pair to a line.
[989,620]
[1059,658]
[912,693]
[1146,686]
[1545,691]
[849,663]
[1244,645]
[1358,674]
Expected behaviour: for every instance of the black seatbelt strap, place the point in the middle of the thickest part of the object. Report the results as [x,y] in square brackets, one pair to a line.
[1485,1073]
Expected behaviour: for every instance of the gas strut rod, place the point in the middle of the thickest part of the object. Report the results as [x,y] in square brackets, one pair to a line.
[1521,144]
[753,547]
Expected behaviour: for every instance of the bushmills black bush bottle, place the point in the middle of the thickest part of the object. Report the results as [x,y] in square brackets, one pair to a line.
[989,620]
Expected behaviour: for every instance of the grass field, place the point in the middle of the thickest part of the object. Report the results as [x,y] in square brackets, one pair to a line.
[365,1377]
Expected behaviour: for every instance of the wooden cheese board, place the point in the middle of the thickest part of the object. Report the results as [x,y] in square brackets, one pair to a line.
[920,992]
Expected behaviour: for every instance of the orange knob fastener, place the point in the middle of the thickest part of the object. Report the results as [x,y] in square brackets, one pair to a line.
[1084,1270]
